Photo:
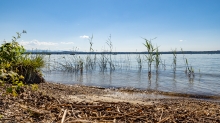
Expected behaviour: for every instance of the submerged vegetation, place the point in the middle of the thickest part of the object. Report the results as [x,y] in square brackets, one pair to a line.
[18,69]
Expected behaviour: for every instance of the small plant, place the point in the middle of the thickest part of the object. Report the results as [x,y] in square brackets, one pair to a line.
[34,87]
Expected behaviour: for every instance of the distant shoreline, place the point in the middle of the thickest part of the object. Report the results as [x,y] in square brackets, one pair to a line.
[115,53]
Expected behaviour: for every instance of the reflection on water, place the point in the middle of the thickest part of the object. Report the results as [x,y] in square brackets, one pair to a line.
[127,73]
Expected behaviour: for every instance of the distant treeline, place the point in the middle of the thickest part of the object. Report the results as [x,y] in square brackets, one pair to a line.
[115,53]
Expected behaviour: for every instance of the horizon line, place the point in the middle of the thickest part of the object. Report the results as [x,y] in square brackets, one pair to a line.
[115,53]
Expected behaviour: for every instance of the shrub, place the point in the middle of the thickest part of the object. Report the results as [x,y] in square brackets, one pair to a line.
[18,69]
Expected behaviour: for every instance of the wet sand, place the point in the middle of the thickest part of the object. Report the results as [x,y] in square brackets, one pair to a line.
[76,103]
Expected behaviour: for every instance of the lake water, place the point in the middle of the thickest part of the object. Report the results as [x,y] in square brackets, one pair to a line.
[126,73]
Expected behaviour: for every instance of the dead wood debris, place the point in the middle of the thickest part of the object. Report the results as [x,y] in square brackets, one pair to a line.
[36,106]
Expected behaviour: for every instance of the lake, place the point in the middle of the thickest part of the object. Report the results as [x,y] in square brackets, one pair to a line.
[126,72]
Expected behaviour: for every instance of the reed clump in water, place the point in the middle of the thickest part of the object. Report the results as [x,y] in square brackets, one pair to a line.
[189,70]
[76,64]
[150,56]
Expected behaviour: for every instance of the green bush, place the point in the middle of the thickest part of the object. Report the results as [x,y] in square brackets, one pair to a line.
[18,69]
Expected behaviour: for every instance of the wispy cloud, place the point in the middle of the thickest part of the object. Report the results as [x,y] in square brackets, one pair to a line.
[66,42]
[181,40]
[38,43]
[84,36]
[35,44]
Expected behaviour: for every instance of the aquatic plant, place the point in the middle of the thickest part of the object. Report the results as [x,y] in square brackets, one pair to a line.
[150,56]
[189,70]
[157,59]
[139,61]
[127,62]
[72,64]
[90,61]
[109,43]
[103,62]
[163,64]
[174,60]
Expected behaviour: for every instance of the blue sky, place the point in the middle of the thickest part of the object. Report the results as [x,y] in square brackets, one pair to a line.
[67,24]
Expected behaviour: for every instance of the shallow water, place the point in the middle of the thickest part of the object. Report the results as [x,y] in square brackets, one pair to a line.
[127,73]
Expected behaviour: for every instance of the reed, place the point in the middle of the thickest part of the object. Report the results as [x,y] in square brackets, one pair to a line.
[127,62]
[150,56]
[70,64]
[139,61]
[174,60]
[90,61]
[157,59]
[189,70]
[103,62]
[109,43]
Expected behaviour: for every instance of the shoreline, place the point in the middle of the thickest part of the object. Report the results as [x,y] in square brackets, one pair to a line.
[53,102]
[159,94]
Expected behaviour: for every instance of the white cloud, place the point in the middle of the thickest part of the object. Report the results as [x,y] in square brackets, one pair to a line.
[66,42]
[181,40]
[42,45]
[84,36]
[38,43]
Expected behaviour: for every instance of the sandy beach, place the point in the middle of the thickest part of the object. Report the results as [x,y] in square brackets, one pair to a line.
[52,103]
